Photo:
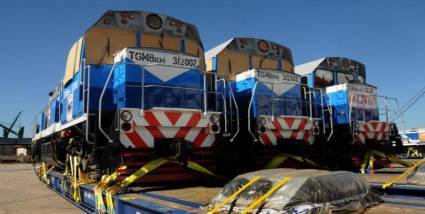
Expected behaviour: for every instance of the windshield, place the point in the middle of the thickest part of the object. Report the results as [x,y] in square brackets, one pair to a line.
[344,78]
[283,103]
[360,79]
[323,78]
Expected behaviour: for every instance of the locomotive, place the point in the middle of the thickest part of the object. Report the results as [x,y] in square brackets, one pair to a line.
[273,116]
[135,88]
[357,121]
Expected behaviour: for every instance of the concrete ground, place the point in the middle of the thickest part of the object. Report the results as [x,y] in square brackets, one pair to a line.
[22,192]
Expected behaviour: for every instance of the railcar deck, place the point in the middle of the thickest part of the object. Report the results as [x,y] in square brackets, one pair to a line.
[178,199]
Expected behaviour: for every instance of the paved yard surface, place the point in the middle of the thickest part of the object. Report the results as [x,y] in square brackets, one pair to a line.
[22,192]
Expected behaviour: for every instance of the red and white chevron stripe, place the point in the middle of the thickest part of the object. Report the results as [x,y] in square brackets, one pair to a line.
[163,123]
[287,127]
[372,130]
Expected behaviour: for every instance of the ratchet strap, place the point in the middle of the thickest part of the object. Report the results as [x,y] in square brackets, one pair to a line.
[234,195]
[106,185]
[391,183]
[260,200]
[102,186]
[116,188]
[280,158]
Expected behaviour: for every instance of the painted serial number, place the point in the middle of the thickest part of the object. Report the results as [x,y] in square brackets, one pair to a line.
[184,62]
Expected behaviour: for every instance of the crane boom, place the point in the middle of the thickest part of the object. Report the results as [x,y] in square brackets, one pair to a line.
[409,103]
[8,130]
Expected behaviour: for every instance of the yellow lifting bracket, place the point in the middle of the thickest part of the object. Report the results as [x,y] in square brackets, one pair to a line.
[369,158]
[391,183]
[234,195]
[414,151]
[280,158]
[366,159]
[259,201]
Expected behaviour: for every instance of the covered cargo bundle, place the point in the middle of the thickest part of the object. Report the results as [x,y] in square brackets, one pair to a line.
[306,191]
[417,177]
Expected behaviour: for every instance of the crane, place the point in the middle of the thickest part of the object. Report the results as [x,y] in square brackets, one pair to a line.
[7,130]
[409,103]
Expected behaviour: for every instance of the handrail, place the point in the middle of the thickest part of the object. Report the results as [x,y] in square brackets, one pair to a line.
[237,112]
[273,99]
[329,105]
[350,109]
[88,103]
[224,101]
[101,102]
[205,95]
[249,111]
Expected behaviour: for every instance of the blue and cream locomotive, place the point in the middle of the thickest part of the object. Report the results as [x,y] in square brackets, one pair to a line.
[134,88]
[272,115]
[355,122]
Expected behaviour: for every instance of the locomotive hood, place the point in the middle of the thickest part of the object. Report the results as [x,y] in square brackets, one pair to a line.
[240,54]
[340,64]
[253,46]
[143,21]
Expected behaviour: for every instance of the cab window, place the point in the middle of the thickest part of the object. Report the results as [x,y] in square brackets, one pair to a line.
[360,79]
[323,78]
[344,78]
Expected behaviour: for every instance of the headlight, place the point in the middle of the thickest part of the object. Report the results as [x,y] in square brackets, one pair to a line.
[126,126]
[126,115]
[316,123]
[214,118]
[262,121]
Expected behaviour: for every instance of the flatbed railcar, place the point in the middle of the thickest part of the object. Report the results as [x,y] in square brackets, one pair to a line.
[193,198]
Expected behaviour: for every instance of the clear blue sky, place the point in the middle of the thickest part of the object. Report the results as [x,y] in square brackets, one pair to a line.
[386,35]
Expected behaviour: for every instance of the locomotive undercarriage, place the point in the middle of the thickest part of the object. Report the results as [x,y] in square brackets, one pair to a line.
[102,157]
[341,152]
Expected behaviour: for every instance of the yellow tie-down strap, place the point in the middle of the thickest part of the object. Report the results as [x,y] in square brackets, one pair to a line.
[391,158]
[234,195]
[104,185]
[259,201]
[390,183]
[116,188]
[280,158]
[194,166]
